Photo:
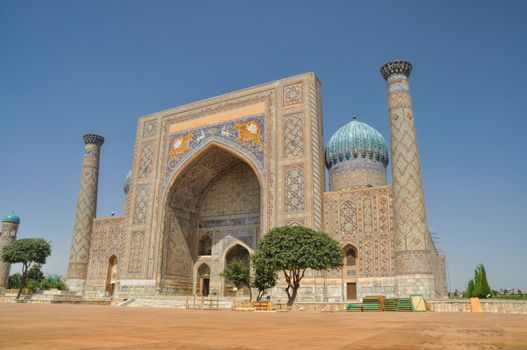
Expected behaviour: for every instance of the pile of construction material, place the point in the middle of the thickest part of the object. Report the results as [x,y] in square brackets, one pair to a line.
[414,303]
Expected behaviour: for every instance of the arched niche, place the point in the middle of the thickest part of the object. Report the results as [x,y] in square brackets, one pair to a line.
[213,200]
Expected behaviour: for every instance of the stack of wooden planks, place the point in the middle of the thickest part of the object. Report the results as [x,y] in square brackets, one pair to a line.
[354,307]
[404,304]
[390,304]
[373,303]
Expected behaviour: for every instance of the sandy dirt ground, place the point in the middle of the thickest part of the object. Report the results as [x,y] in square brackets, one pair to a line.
[45,326]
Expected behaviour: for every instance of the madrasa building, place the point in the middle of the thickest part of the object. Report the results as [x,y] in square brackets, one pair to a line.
[210,178]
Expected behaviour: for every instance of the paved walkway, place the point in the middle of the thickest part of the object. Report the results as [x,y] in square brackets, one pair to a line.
[45,326]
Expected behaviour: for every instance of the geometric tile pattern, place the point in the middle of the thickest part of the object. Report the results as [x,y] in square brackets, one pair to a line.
[293,94]
[136,252]
[362,218]
[368,257]
[107,240]
[385,256]
[367,215]
[150,128]
[348,218]
[141,202]
[413,262]
[236,192]
[294,189]
[145,165]
[293,136]
[384,214]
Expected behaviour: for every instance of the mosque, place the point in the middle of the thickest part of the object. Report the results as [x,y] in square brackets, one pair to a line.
[210,178]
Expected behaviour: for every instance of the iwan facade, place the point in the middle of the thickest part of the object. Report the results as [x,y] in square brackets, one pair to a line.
[211,177]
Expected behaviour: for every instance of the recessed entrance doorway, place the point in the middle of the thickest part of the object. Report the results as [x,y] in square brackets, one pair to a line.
[351,291]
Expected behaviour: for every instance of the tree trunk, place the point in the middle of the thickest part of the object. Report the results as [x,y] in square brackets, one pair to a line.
[22,281]
[292,298]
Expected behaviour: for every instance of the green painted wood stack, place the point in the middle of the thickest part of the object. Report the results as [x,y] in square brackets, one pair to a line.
[390,304]
[373,303]
[404,305]
[354,307]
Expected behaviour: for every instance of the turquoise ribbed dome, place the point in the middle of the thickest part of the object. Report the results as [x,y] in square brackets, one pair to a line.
[356,141]
[11,218]
[127,181]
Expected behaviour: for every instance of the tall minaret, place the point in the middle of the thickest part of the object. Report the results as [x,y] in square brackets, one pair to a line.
[7,235]
[411,236]
[86,212]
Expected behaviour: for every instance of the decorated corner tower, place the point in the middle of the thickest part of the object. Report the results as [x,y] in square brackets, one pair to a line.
[412,242]
[86,212]
[7,236]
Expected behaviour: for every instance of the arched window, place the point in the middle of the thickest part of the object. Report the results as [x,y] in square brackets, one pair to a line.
[351,256]
[205,246]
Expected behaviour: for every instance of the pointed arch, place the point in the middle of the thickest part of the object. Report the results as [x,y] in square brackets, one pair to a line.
[351,256]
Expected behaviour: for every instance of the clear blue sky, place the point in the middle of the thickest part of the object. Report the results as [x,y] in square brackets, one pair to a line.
[71,67]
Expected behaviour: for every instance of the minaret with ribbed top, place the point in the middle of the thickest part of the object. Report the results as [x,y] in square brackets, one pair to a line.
[412,243]
[86,212]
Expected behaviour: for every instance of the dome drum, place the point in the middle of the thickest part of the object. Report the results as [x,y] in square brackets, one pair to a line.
[359,174]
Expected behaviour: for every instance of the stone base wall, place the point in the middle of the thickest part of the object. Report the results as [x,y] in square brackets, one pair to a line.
[95,289]
[493,306]
[415,284]
[135,288]
[376,286]
[312,290]
[76,285]
[329,290]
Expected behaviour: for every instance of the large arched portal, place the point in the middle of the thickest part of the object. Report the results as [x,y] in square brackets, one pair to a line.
[213,203]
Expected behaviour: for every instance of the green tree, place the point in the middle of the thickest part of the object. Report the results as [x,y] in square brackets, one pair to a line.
[481,285]
[26,251]
[292,250]
[239,272]
[52,281]
[35,273]
[14,281]
[264,278]
[469,293]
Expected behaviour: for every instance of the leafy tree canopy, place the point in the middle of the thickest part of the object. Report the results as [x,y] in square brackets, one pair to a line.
[26,251]
[292,250]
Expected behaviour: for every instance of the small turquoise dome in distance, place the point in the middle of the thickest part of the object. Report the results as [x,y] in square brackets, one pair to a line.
[356,140]
[11,218]
[127,181]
